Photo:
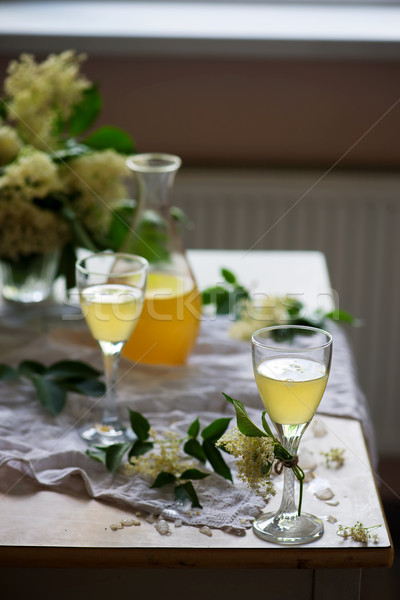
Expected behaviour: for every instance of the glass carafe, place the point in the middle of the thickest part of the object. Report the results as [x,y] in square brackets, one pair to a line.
[169,323]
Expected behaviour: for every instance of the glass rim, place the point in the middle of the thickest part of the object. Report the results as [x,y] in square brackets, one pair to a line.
[167,164]
[328,343]
[123,255]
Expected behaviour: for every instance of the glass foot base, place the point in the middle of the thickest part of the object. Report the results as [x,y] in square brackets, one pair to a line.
[288,531]
[106,435]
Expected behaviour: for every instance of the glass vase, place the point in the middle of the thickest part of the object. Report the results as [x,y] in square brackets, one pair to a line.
[29,279]
[168,327]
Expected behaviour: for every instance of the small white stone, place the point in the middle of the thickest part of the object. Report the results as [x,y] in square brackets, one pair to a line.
[115,526]
[178,523]
[307,461]
[151,519]
[205,531]
[162,527]
[333,502]
[324,494]
[318,428]
[331,519]
[129,521]
[308,476]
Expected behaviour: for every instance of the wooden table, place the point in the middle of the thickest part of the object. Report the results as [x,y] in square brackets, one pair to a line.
[57,545]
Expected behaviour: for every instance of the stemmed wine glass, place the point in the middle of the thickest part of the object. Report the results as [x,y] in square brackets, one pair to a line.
[291,366]
[111,290]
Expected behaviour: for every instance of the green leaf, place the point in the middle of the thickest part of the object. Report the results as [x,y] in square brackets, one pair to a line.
[72,150]
[216,429]
[185,492]
[51,395]
[180,216]
[341,315]
[110,138]
[193,474]
[65,369]
[266,425]
[7,372]
[194,428]
[219,296]
[139,424]
[228,276]
[163,479]
[87,387]
[29,368]
[3,108]
[215,459]
[121,223]
[115,454]
[194,448]
[244,423]
[98,453]
[139,448]
[86,112]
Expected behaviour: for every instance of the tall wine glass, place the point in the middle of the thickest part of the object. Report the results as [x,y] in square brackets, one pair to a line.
[111,290]
[291,367]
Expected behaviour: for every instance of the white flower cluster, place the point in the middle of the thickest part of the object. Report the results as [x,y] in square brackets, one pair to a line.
[96,182]
[39,94]
[260,311]
[254,457]
[166,456]
[358,533]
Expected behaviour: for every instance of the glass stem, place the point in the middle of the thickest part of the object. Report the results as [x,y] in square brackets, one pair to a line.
[288,508]
[111,354]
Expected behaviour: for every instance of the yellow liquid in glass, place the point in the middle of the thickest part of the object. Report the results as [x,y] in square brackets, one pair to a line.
[168,326]
[111,310]
[291,388]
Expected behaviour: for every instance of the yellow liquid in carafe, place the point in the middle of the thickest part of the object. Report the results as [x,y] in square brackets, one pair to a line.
[168,326]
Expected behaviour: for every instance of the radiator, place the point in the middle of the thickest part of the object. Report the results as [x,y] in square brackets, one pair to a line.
[354,218]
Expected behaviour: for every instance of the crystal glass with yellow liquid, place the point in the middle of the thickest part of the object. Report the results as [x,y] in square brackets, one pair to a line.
[111,291]
[291,366]
[169,323]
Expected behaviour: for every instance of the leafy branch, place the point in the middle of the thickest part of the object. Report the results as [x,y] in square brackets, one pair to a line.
[203,450]
[227,296]
[54,382]
[247,428]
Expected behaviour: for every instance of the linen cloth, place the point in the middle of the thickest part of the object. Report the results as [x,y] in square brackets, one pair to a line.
[49,451]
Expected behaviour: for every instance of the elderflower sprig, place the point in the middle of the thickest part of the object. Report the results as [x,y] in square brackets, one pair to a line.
[334,458]
[358,533]
[162,457]
[255,459]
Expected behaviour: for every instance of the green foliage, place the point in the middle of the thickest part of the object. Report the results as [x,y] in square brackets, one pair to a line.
[247,427]
[110,138]
[113,455]
[53,383]
[86,112]
[227,296]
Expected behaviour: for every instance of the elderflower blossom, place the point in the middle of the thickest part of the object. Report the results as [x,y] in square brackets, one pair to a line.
[10,144]
[254,457]
[261,311]
[334,457]
[166,456]
[358,533]
[97,182]
[26,229]
[39,94]
[32,175]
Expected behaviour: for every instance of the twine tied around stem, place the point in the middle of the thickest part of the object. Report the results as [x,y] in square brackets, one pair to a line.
[290,464]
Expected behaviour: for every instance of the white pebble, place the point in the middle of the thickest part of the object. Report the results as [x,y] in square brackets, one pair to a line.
[151,519]
[333,502]
[205,531]
[331,519]
[324,494]
[115,526]
[162,527]
[318,428]
[129,521]
[308,476]
[178,523]
[307,461]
